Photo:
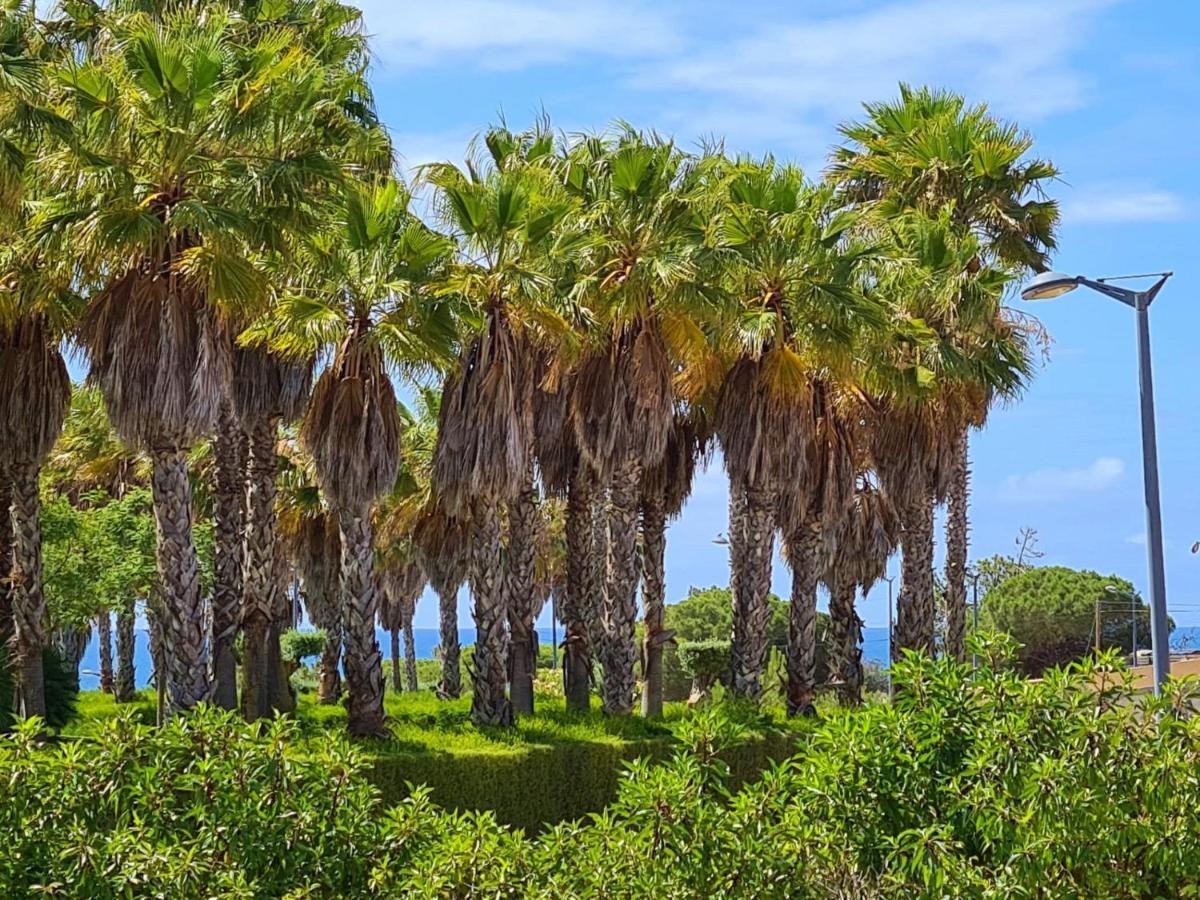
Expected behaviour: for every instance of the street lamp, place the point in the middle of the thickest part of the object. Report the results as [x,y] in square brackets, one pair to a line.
[1053,284]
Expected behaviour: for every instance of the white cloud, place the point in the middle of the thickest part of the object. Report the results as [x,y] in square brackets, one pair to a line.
[510,34]
[1118,204]
[1047,485]
[818,69]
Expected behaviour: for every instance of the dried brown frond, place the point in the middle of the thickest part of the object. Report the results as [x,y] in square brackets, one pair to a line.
[826,488]
[671,480]
[266,385]
[623,400]
[866,537]
[556,449]
[36,392]
[912,450]
[441,543]
[352,429]
[485,428]
[160,356]
[401,584]
[761,426]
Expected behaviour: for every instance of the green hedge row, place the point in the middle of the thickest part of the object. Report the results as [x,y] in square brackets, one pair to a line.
[537,786]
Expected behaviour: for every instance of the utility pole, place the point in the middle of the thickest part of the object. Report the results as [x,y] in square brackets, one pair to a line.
[1097,627]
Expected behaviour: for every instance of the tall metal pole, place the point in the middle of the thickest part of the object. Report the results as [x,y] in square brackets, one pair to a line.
[1133,625]
[1159,636]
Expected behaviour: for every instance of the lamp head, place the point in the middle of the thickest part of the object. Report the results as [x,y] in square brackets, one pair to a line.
[1049,285]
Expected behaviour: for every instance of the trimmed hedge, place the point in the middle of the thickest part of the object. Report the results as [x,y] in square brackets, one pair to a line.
[534,787]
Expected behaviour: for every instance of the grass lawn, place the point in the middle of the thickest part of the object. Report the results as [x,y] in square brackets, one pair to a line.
[550,767]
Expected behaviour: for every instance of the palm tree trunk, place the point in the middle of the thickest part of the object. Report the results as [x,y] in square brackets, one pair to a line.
[957,537]
[28,601]
[914,606]
[754,545]
[228,514]
[397,684]
[577,663]
[184,630]
[6,548]
[265,607]
[489,704]
[519,587]
[158,658]
[360,604]
[410,654]
[805,552]
[329,680]
[599,568]
[451,683]
[619,654]
[104,647]
[71,642]
[846,638]
[125,683]
[654,590]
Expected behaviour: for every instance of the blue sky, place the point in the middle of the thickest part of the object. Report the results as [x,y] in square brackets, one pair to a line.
[1107,88]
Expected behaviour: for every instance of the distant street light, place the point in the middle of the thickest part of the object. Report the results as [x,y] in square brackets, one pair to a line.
[1053,284]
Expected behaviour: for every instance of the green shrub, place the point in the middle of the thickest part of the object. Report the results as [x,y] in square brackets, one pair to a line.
[297,646]
[974,783]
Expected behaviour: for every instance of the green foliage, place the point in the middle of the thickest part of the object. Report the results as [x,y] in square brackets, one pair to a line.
[1051,612]
[975,783]
[701,659]
[61,686]
[297,646]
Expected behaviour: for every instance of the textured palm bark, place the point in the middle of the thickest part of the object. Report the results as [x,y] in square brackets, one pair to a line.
[737,543]
[71,642]
[751,601]
[576,655]
[360,604]
[228,508]
[265,607]
[28,600]
[158,658]
[598,569]
[450,687]
[410,654]
[619,653]
[489,703]
[654,588]
[184,629]
[6,539]
[805,555]
[957,538]
[914,606]
[322,592]
[846,639]
[394,638]
[104,650]
[519,590]
[125,680]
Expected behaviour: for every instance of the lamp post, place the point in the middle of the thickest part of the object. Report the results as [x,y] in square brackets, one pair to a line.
[1052,284]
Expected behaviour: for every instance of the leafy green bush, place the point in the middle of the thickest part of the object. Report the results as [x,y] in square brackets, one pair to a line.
[297,646]
[975,783]
[705,662]
[1051,612]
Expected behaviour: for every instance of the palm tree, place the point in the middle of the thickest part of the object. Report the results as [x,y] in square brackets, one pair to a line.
[267,390]
[309,532]
[401,583]
[866,538]
[178,177]
[505,211]
[229,501]
[366,293]
[928,151]
[665,488]
[641,291]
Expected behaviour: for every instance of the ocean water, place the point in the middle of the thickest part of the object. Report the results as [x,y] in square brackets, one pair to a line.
[875,649]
